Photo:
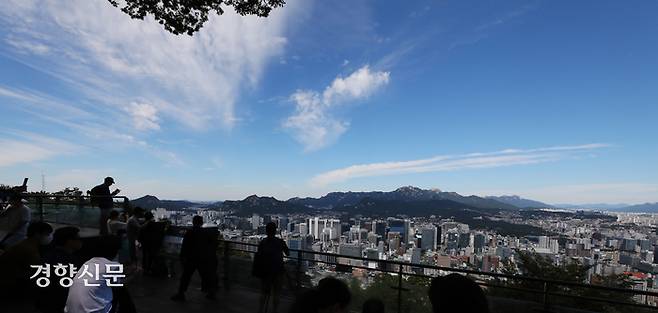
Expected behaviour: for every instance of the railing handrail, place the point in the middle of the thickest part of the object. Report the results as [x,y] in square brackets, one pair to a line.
[458,270]
[42,196]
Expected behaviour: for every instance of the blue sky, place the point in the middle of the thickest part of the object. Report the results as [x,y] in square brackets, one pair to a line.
[551,100]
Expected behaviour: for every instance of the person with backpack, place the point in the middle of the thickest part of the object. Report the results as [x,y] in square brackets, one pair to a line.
[268,266]
[102,197]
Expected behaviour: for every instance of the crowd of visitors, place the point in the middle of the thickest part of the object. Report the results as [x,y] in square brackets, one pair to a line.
[91,274]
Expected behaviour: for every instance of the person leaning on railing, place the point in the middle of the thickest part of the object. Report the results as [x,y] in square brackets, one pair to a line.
[102,197]
[14,220]
[268,266]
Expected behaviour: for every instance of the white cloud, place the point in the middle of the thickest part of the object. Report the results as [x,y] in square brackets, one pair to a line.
[442,163]
[359,84]
[313,125]
[27,147]
[114,59]
[145,116]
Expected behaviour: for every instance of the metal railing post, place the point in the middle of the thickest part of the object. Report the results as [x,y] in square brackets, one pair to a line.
[40,208]
[399,288]
[299,270]
[226,264]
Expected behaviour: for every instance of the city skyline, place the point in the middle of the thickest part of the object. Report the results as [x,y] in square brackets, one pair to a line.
[545,100]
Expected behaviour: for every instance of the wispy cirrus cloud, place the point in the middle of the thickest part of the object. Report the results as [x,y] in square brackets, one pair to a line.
[144,115]
[313,124]
[99,130]
[114,60]
[20,147]
[442,163]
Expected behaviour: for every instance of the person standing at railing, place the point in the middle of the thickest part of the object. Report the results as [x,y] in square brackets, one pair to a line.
[14,220]
[132,231]
[198,253]
[102,197]
[268,266]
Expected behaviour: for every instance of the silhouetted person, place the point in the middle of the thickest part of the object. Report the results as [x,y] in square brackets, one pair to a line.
[268,266]
[197,254]
[102,197]
[150,236]
[457,293]
[95,293]
[330,296]
[66,242]
[15,270]
[14,221]
[132,231]
[115,226]
[373,305]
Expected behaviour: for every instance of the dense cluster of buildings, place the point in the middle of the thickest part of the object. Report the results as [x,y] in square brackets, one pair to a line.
[627,245]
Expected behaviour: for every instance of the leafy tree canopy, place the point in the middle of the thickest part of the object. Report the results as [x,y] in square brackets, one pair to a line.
[188,16]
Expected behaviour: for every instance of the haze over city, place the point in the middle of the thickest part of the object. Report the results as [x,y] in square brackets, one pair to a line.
[547,100]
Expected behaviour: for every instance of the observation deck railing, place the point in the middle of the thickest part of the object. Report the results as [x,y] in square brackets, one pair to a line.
[407,281]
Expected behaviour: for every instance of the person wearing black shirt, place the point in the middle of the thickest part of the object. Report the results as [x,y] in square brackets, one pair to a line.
[198,253]
[268,266]
[102,197]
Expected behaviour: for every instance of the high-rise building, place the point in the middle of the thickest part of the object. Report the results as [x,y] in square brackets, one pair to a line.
[314,227]
[256,221]
[479,240]
[303,229]
[379,227]
[452,240]
[464,240]
[401,227]
[544,242]
[428,239]
[295,243]
[629,244]
[283,222]
[334,225]
[350,249]
[415,255]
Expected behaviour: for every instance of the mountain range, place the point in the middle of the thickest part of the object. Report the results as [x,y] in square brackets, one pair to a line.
[408,193]
[640,208]
[345,200]
[149,202]
[520,202]
[595,206]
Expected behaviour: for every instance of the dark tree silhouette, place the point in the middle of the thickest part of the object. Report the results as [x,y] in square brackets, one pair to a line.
[188,16]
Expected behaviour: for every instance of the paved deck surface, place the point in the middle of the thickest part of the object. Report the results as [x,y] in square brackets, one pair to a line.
[152,295]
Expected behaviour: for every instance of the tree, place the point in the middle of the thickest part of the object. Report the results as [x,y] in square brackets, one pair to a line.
[531,264]
[188,16]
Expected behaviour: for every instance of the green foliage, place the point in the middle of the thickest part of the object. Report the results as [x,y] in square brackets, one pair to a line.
[188,16]
[534,265]
[384,287]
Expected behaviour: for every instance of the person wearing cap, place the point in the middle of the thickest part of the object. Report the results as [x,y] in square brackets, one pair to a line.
[14,221]
[102,197]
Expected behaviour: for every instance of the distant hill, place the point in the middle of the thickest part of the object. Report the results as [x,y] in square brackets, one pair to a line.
[520,202]
[476,218]
[640,208]
[149,202]
[262,205]
[592,206]
[584,215]
[409,193]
